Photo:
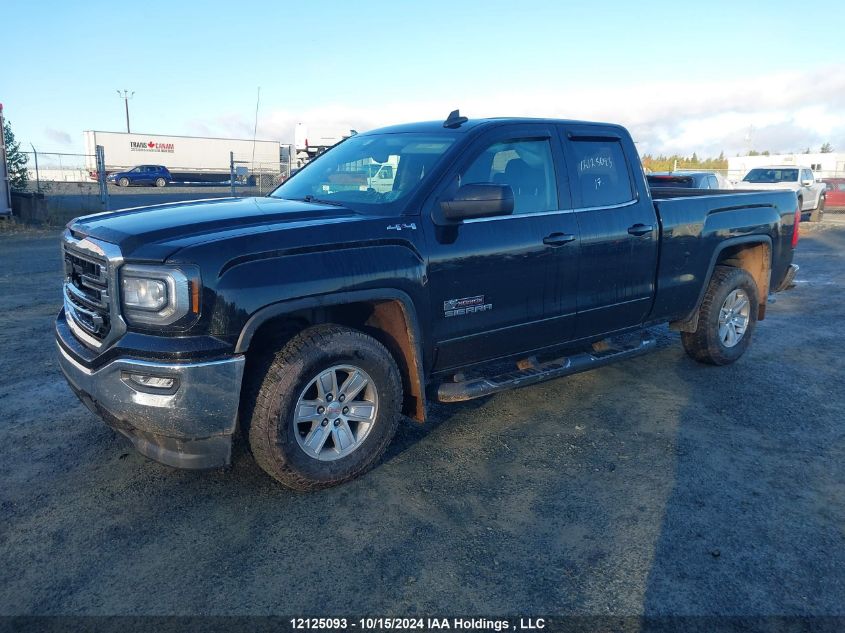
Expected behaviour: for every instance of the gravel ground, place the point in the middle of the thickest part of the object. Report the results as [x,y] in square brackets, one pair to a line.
[656,486]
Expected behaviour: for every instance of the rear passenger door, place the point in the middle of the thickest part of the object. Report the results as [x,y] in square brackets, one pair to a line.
[619,231]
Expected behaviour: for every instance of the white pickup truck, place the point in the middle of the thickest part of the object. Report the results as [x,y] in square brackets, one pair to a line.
[801,180]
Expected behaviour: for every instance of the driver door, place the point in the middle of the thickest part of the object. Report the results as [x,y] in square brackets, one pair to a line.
[504,285]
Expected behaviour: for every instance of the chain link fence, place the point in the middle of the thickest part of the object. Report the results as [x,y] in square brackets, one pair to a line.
[250,178]
[61,186]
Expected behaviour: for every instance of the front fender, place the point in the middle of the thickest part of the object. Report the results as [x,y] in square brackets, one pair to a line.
[400,327]
[291,306]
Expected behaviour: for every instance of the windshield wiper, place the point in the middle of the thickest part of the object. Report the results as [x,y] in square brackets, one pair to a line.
[315,200]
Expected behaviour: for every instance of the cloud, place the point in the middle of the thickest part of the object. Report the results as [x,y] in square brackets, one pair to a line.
[786,111]
[58,136]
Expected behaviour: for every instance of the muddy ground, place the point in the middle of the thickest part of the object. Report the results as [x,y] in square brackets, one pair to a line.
[655,486]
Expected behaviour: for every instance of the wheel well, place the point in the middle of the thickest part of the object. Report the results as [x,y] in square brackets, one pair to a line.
[756,260]
[753,257]
[386,321]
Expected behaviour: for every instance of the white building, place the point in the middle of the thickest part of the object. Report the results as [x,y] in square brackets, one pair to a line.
[830,165]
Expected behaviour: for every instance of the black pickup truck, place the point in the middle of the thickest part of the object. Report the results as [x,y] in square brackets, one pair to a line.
[494,254]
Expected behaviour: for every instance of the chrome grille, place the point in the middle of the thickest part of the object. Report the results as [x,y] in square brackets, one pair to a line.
[90,290]
[87,289]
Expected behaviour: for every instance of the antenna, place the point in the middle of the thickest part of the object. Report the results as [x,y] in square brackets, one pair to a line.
[255,127]
[454,120]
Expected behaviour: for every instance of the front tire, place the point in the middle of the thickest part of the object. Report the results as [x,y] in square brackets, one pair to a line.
[123,182]
[726,318]
[324,409]
[818,213]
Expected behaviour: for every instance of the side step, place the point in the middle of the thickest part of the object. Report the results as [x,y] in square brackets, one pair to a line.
[531,372]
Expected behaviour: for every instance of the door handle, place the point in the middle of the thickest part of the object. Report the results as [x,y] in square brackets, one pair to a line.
[640,229]
[558,239]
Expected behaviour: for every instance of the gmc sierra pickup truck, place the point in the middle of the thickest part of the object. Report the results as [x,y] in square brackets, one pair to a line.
[504,252]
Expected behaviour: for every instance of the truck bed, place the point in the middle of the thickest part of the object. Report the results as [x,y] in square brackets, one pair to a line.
[693,227]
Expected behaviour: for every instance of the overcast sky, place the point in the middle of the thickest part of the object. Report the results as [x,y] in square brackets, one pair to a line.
[703,77]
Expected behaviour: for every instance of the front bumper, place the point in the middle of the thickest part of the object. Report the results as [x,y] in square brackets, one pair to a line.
[187,426]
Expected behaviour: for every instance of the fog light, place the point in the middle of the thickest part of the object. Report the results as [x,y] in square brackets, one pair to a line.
[151,384]
[157,382]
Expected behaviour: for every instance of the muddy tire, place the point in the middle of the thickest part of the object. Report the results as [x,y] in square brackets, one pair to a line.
[322,409]
[726,319]
[818,213]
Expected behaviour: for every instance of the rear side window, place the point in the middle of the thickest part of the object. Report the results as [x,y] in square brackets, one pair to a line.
[601,173]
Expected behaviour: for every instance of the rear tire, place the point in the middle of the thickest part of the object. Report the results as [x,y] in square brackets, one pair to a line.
[726,318]
[160,182]
[286,425]
[818,213]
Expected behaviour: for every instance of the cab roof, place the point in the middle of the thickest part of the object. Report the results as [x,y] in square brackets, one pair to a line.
[437,127]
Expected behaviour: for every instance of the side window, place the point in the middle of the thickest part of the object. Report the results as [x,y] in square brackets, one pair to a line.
[601,173]
[806,174]
[714,183]
[525,165]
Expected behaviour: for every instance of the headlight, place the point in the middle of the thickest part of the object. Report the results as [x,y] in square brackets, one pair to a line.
[159,295]
[144,294]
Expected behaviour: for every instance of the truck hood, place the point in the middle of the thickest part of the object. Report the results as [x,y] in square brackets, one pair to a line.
[154,233]
[767,186]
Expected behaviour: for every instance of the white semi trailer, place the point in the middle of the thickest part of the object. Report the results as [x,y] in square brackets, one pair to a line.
[310,145]
[188,158]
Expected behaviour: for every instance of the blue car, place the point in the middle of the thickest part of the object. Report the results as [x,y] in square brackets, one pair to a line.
[155,175]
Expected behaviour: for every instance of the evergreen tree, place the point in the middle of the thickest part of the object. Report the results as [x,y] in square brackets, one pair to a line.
[827,148]
[15,160]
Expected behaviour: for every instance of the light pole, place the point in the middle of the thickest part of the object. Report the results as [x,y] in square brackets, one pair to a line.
[126,96]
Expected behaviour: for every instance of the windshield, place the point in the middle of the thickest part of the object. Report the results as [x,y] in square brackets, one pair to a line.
[367,173]
[764,175]
[670,181]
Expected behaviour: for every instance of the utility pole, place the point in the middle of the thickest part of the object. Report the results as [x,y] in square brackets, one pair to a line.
[126,96]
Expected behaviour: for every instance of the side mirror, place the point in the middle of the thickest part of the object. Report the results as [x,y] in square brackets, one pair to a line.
[807,183]
[478,200]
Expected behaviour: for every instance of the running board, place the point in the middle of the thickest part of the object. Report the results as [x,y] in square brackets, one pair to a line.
[532,373]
